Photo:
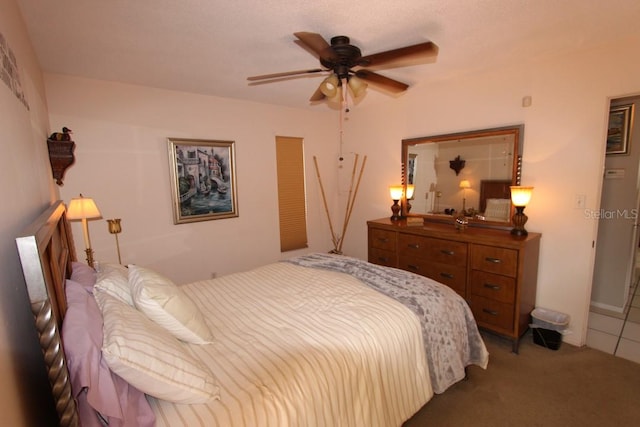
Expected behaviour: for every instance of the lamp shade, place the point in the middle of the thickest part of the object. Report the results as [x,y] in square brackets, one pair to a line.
[357,85]
[83,208]
[329,86]
[465,184]
[337,98]
[520,196]
[410,190]
[396,192]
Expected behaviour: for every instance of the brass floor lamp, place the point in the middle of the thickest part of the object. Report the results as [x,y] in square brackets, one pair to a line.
[115,228]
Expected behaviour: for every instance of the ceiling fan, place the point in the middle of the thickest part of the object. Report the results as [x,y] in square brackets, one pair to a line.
[347,65]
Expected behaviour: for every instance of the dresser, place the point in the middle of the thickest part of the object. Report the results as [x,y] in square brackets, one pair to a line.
[494,271]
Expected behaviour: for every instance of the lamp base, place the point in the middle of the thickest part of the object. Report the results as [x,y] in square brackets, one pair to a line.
[519,220]
[519,232]
[395,208]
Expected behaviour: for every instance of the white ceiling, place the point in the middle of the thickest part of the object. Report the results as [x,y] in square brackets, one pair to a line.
[211,46]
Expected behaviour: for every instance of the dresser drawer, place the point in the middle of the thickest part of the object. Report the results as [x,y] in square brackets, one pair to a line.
[438,250]
[413,264]
[453,276]
[494,260]
[493,286]
[492,313]
[448,252]
[382,239]
[412,246]
[449,275]
[382,257]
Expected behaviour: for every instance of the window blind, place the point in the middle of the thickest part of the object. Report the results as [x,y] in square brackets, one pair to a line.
[291,193]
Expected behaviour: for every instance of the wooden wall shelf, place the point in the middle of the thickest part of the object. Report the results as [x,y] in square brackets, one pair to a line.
[61,157]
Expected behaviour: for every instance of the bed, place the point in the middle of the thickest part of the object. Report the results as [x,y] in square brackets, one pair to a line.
[316,340]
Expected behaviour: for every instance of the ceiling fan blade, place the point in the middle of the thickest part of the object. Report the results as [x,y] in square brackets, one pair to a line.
[385,82]
[418,51]
[284,74]
[317,95]
[316,44]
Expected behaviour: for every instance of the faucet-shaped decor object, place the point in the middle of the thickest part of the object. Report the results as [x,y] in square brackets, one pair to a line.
[457,164]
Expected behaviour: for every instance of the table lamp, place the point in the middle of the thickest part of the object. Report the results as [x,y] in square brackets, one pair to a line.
[396,192]
[410,190]
[520,197]
[464,184]
[83,209]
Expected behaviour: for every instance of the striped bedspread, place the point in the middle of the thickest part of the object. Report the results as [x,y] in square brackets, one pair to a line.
[298,346]
[451,337]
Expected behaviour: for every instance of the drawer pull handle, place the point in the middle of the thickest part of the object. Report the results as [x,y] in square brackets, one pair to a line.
[492,286]
[447,252]
[413,267]
[446,275]
[414,246]
[490,312]
[493,260]
[383,259]
[383,239]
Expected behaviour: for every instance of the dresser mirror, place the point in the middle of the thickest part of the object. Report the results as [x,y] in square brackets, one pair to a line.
[465,173]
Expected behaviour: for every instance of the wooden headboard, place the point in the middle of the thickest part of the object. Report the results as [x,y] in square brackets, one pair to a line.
[46,251]
[494,189]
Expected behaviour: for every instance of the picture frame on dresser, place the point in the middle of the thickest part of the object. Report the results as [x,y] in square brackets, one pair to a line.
[203,179]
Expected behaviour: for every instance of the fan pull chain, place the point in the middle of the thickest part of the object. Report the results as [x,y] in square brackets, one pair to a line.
[341,158]
[344,108]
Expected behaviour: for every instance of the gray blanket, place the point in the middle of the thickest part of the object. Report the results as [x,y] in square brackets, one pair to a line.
[450,333]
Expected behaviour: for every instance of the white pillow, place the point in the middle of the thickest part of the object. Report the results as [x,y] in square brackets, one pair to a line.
[167,305]
[114,280]
[149,358]
[498,209]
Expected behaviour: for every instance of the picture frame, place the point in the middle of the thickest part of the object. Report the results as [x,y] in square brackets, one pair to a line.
[619,129]
[203,179]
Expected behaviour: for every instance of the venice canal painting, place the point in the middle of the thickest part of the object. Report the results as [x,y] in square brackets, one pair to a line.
[202,179]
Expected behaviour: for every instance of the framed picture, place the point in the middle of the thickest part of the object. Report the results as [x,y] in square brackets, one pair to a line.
[619,131]
[203,182]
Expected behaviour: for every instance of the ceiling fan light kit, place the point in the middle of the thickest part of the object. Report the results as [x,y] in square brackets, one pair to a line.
[347,66]
[329,86]
[357,86]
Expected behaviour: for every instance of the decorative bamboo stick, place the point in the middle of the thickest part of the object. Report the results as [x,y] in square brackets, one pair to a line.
[351,200]
[338,240]
[346,210]
[324,200]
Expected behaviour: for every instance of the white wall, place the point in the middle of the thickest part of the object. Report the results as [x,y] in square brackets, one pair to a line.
[122,162]
[27,188]
[564,138]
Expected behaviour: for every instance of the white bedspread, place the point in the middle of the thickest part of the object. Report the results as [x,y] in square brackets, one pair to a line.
[296,346]
[450,333]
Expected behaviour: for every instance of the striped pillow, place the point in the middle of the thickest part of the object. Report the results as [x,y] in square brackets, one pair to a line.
[149,358]
[167,305]
[114,280]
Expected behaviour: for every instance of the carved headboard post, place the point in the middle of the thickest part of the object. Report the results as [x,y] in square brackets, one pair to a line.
[46,252]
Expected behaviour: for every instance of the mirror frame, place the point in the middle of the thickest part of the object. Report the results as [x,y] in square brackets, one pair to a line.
[518,134]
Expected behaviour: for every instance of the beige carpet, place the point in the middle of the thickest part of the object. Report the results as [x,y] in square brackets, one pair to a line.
[539,387]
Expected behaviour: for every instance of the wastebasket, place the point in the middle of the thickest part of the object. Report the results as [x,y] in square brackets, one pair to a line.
[548,327]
